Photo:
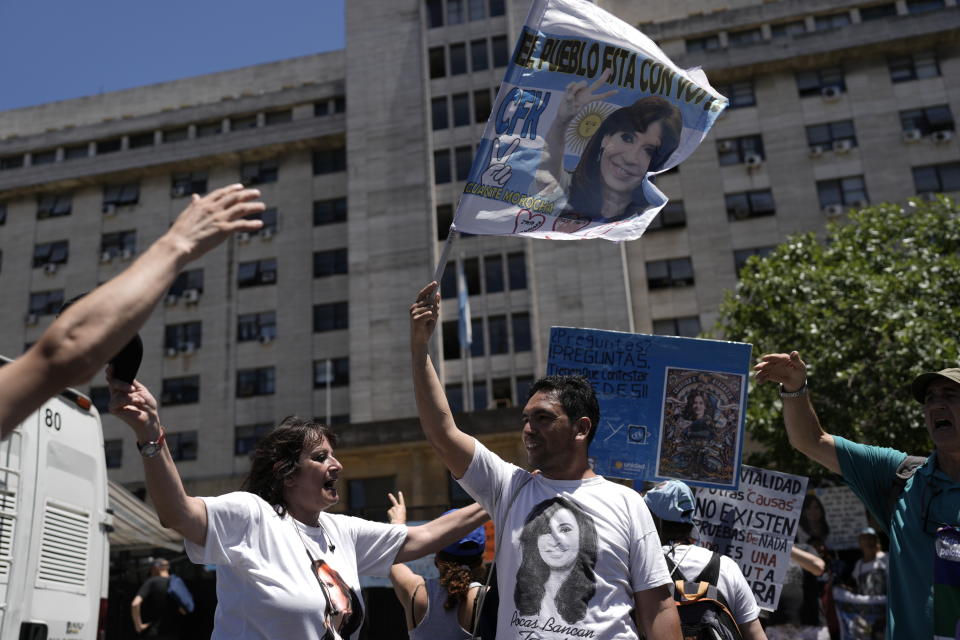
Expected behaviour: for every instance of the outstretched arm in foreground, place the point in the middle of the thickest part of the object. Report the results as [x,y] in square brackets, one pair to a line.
[803,427]
[97,326]
[656,614]
[437,534]
[453,446]
[135,405]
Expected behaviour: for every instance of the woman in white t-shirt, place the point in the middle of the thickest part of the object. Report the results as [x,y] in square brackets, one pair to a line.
[285,567]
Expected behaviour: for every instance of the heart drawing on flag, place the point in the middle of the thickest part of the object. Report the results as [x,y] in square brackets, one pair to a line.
[570,223]
[528,221]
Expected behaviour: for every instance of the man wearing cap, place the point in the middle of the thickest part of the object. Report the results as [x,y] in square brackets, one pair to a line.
[577,555]
[930,498]
[870,571]
[671,504]
[440,608]
[154,612]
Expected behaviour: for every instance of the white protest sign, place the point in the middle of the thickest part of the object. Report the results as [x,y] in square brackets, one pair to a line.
[845,516]
[755,526]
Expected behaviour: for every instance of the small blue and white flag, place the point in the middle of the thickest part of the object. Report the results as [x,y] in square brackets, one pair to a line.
[463,307]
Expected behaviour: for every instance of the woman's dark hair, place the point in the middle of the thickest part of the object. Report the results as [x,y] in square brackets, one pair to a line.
[456,574]
[586,188]
[814,529]
[579,585]
[688,413]
[277,457]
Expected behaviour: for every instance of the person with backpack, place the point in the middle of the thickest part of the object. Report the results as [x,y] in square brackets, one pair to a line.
[157,610]
[728,609]
[918,504]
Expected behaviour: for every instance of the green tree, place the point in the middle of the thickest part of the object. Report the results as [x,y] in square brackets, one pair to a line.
[868,306]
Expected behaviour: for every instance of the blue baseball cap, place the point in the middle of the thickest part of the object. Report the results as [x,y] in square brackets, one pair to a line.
[472,544]
[671,500]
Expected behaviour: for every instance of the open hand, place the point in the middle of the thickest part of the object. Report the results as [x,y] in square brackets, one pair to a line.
[207,221]
[784,368]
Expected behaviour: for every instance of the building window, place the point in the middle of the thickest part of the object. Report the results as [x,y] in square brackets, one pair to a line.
[740,94]
[662,274]
[278,117]
[329,263]
[184,337]
[246,437]
[43,157]
[481,105]
[878,11]
[175,135]
[849,192]
[458,59]
[108,146]
[745,149]
[51,253]
[749,204]
[501,56]
[444,220]
[11,162]
[113,452]
[832,21]
[927,120]
[477,343]
[120,244]
[499,336]
[44,303]
[438,111]
[937,178]
[686,326]
[454,393]
[479,58]
[441,167]
[493,273]
[118,195]
[76,151]
[705,43]
[207,129]
[463,159]
[672,216]
[100,397]
[744,38]
[329,211]
[438,64]
[454,11]
[185,390]
[182,445]
[434,13]
[256,382]
[269,217]
[741,256]
[461,109]
[480,401]
[257,326]
[191,280]
[339,104]
[522,337]
[922,6]
[497,7]
[264,172]
[329,161]
[839,136]
[477,9]
[256,273]
[913,66]
[331,316]
[471,275]
[821,82]
[334,372]
[188,183]
[3,213]
[242,123]
[517,271]
[450,333]
[54,205]
[367,497]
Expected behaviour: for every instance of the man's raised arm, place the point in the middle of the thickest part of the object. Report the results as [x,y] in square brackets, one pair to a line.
[803,427]
[453,446]
[97,326]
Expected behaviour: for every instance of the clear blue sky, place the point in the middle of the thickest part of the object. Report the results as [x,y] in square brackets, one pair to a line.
[58,49]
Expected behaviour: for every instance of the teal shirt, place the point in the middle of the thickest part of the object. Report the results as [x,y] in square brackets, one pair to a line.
[870,471]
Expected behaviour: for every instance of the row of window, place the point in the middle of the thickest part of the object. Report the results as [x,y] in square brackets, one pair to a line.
[491,336]
[489,274]
[466,57]
[830,82]
[501,392]
[449,12]
[827,22]
[461,104]
[167,136]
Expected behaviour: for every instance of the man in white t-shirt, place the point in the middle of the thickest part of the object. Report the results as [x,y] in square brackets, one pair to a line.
[870,572]
[672,504]
[578,556]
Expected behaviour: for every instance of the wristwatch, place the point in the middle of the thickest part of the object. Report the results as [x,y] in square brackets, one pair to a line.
[152,449]
[802,391]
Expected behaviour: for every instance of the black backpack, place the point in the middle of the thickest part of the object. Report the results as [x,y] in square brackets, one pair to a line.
[704,614]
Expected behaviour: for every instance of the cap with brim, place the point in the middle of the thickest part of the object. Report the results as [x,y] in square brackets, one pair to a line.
[671,500]
[920,383]
[472,544]
[868,531]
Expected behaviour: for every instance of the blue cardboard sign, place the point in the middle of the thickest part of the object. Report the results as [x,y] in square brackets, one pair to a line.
[669,407]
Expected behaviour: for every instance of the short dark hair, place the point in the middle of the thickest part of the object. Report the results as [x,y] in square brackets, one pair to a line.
[576,396]
[277,457]
[671,531]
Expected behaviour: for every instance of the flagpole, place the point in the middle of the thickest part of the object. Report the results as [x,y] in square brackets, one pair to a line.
[626,286]
[444,255]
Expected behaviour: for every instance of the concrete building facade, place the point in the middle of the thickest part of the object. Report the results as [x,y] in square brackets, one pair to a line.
[361,155]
